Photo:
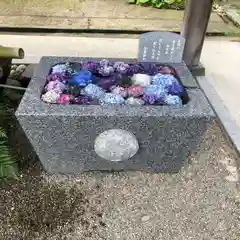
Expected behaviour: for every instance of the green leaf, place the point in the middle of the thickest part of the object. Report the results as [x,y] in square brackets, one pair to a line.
[143,1]
[131,1]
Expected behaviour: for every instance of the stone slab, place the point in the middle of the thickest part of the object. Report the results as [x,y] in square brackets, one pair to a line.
[63,136]
[227,122]
[164,47]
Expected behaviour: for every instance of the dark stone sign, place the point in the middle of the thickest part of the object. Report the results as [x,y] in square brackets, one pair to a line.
[161,47]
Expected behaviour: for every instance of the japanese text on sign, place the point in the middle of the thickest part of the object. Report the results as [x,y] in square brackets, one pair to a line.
[145,49]
[160,41]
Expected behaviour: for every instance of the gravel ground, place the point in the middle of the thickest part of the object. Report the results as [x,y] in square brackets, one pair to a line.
[202,202]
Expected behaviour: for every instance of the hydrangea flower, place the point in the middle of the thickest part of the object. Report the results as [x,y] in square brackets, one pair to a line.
[135,91]
[134,69]
[104,62]
[50,97]
[55,86]
[173,100]
[141,79]
[81,100]
[82,79]
[110,98]
[93,91]
[65,99]
[59,68]
[106,71]
[134,101]
[156,91]
[91,66]
[55,76]
[121,67]
[149,99]
[105,82]
[165,80]
[119,91]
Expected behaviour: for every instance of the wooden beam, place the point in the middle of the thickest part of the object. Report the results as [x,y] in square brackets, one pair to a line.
[196,18]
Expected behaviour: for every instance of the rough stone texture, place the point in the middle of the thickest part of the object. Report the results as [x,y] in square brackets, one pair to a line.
[63,136]
[165,47]
[116,145]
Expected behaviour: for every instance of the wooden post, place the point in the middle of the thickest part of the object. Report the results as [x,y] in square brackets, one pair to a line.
[196,18]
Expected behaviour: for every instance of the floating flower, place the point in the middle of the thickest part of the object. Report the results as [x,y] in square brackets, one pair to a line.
[82,79]
[55,76]
[50,97]
[93,91]
[105,71]
[65,98]
[56,86]
[110,98]
[173,100]
[91,66]
[149,99]
[105,82]
[141,79]
[135,91]
[158,92]
[165,80]
[81,100]
[134,101]
[108,82]
[104,62]
[121,67]
[119,91]
[59,68]
[177,89]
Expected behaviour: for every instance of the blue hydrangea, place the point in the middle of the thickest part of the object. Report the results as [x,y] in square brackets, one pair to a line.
[157,91]
[165,80]
[82,79]
[110,98]
[93,91]
[173,100]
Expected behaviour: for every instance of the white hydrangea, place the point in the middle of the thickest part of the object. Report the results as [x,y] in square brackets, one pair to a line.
[50,97]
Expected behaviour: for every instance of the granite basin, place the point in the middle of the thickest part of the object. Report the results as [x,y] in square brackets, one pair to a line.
[64,136]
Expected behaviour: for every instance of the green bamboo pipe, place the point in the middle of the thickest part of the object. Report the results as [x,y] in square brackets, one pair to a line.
[8,52]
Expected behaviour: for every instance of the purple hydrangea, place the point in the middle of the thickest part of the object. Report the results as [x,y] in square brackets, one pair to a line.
[81,100]
[91,66]
[149,99]
[106,71]
[107,82]
[177,89]
[134,69]
[56,86]
[104,63]
[121,67]
[55,76]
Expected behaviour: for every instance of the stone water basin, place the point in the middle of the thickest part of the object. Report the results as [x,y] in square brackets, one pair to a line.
[71,137]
